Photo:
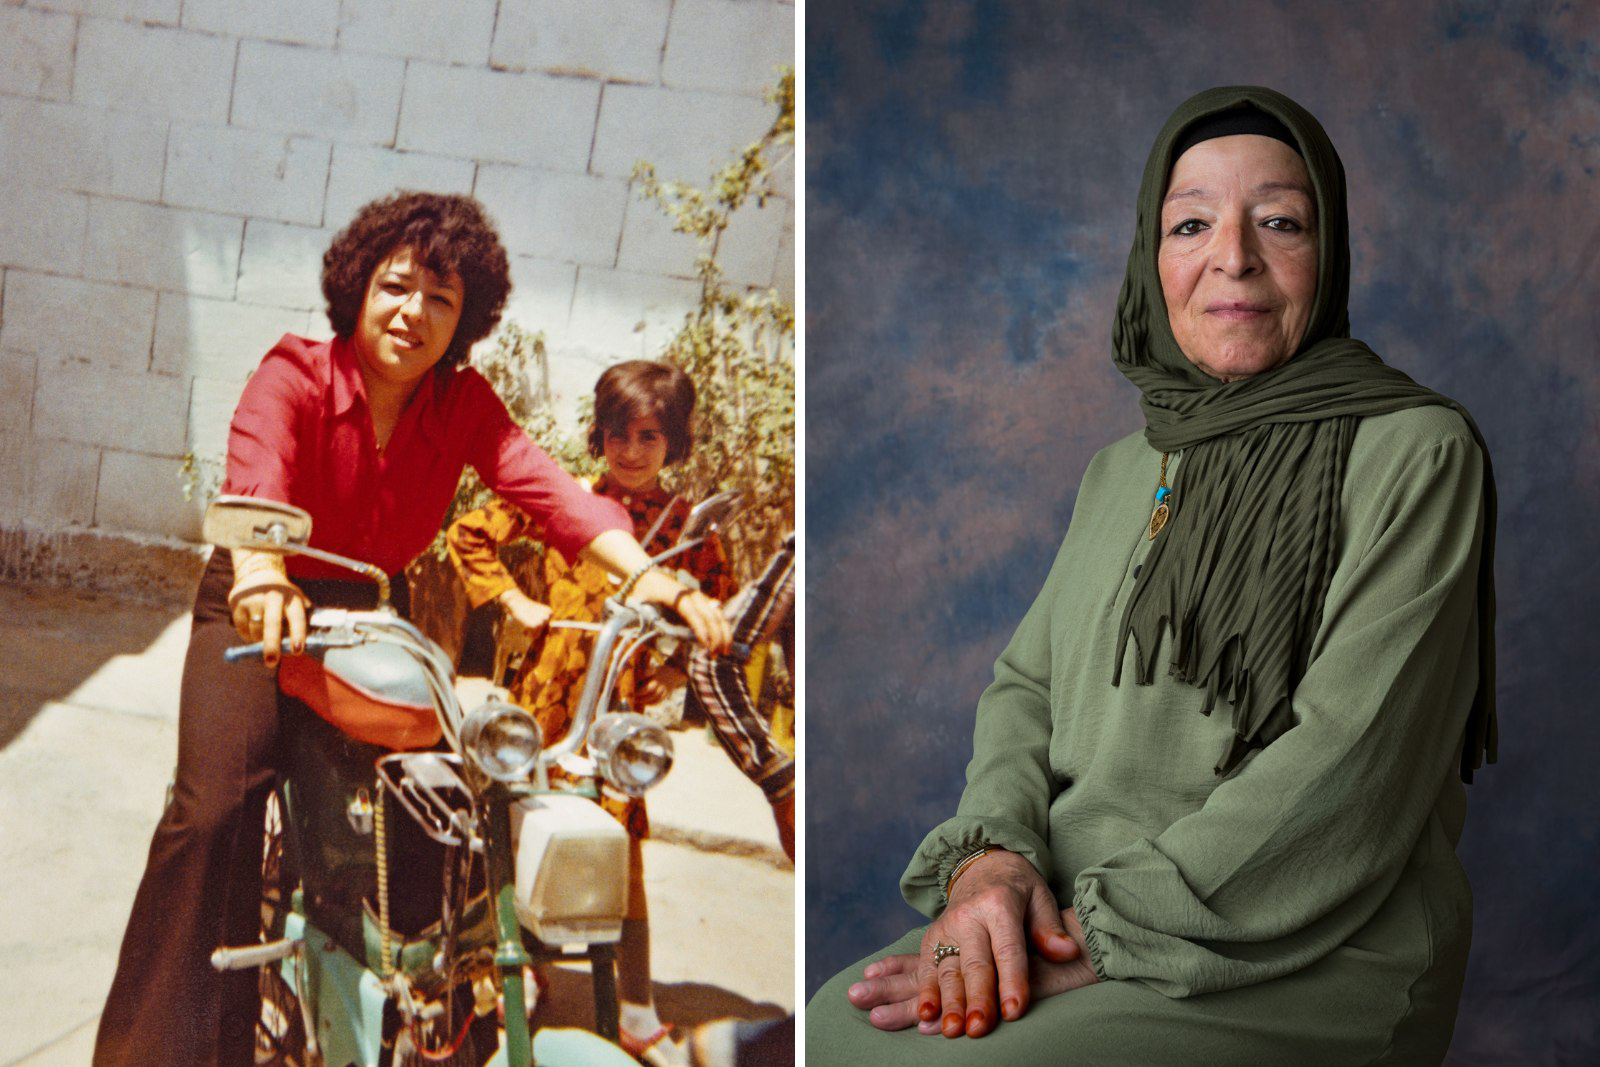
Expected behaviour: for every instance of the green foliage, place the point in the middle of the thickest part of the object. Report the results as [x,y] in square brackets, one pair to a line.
[200,476]
[738,347]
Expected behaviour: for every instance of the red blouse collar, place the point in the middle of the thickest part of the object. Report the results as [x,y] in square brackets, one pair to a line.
[348,386]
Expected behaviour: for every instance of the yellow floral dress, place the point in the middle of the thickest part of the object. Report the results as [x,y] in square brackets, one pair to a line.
[551,676]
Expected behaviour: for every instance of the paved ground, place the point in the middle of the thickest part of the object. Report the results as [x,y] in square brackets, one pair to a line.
[88,694]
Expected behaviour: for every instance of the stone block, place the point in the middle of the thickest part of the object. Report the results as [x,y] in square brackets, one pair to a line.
[43,229]
[613,40]
[688,136]
[66,318]
[493,116]
[154,70]
[574,218]
[142,493]
[728,46]
[149,12]
[282,265]
[163,247]
[16,390]
[542,299]
[362,174]
[746,253]
[115,408]
[15,456]
[211,405]
[313,22]
[651,245]
[456,32]
[244,172]
[625,315]
[219,339]
[36,53]
[72,147]
[62,479]
[317,92]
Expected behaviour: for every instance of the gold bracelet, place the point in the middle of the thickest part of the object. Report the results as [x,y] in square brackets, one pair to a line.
[966,861]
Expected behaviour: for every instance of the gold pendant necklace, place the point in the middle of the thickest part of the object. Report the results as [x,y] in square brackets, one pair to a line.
[1158,517]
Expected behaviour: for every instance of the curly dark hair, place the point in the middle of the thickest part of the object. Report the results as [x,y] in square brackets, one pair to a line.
[637,389]
[449,233]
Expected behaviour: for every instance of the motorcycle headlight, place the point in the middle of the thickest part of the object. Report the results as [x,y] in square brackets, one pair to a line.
[502,740]
[631,752]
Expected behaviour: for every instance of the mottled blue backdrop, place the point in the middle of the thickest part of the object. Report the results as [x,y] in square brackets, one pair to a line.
[971,170]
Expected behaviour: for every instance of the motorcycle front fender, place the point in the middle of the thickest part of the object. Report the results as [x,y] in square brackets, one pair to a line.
[564,1047]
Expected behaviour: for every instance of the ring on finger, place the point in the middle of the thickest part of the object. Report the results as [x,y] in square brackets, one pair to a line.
[941,951]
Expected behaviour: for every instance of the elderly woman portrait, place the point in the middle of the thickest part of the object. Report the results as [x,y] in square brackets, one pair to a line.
[995,294]
[1218,780]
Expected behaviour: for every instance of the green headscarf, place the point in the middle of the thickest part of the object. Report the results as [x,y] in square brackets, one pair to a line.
[1239,576]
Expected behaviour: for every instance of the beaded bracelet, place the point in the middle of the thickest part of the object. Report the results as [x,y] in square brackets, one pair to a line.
[633,580]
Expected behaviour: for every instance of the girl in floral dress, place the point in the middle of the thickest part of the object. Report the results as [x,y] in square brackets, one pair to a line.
[642,412]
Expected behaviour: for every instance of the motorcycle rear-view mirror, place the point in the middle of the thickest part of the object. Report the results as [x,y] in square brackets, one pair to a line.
[246,522]
[710,513]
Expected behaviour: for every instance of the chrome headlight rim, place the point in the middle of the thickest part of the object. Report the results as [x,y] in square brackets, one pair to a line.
[489,723]
[628,731]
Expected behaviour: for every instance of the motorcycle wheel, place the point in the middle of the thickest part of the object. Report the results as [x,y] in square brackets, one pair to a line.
[280,1030]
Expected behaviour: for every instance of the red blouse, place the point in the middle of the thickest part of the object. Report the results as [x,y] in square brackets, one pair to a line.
[302,434]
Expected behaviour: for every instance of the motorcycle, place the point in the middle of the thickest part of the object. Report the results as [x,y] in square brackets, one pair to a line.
[395,941]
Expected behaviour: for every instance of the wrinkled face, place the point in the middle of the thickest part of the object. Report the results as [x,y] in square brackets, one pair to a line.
[637,456]
[1238,254]
[407,320]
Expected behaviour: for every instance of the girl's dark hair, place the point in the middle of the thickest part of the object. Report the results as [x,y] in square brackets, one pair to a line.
[638,389]
[448,233]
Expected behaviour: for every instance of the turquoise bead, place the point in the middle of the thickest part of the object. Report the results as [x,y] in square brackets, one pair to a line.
[1162,493]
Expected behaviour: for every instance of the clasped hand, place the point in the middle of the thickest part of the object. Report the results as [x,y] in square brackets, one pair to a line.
[998,907]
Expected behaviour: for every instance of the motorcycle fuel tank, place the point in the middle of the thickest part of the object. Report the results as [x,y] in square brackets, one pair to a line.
[571,869]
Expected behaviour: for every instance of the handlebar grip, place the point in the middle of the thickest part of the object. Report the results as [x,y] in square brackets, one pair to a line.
[314,643]
[239,959]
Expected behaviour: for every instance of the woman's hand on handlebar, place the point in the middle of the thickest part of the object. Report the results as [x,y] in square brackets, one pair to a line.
[265,604]
[701,613]
[998,906]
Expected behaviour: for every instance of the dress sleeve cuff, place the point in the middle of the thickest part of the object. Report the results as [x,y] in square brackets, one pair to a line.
[1083,904]
[489,588]
[925,877]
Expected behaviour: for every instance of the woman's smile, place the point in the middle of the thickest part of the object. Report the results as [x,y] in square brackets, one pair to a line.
[407,321]
[636,455]
[1238,254]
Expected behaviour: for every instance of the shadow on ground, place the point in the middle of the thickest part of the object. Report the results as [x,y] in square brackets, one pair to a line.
[570,1002]
[52,640]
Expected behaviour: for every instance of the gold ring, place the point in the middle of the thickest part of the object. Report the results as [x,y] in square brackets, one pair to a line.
[941,951]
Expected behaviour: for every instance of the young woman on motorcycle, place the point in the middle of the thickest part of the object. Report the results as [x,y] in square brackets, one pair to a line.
[368,432]
[642,413]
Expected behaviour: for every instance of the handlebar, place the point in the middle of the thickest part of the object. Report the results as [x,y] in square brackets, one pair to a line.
[314,643]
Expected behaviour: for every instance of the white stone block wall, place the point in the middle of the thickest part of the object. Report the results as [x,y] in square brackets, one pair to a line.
[171,171]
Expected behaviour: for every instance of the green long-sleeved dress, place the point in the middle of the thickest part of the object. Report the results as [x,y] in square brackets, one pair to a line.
[1308,908]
